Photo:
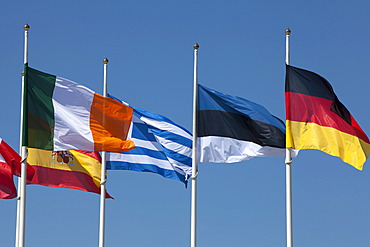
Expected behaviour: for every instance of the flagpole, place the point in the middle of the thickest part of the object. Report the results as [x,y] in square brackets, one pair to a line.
[21,203]
[288,166]
[193,232]
[103,172]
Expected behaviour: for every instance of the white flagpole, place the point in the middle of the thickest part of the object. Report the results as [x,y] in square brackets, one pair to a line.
[288,167]
[193,232]
[103,172]
[21,203]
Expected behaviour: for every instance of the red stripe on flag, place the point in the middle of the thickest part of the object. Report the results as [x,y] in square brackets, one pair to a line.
[310,109]
[65,179]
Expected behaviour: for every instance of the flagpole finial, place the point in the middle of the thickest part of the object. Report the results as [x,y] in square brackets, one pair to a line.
[105,60]
[287,31]
[26,27]
[196,46]
[22,73]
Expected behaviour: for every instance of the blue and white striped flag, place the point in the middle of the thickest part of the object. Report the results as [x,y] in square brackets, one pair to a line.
[161,146]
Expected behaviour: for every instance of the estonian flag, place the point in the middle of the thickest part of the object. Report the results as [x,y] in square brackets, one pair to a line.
[232,129]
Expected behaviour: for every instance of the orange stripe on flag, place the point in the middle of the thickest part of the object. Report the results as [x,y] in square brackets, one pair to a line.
[109,123]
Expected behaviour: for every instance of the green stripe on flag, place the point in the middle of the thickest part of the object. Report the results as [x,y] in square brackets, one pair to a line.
[40,111]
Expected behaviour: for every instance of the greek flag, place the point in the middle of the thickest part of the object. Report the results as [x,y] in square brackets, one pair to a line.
[161,146]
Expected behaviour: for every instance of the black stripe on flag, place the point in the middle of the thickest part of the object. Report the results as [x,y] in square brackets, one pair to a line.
[232,125]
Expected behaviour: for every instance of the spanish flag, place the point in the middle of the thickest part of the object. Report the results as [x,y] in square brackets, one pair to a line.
[74,169]
[316,119]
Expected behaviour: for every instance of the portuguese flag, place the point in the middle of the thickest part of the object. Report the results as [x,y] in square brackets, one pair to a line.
[316,119]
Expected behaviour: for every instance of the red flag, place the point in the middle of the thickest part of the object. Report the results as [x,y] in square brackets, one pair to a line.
[10,164]
[7,188]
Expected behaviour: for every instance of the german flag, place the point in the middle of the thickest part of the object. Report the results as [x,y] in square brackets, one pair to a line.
[316,119]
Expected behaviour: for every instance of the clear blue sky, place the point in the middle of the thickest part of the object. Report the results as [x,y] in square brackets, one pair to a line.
[242,50]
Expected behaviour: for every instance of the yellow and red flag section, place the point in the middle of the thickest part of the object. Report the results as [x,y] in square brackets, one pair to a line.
[316,119]
[75,169]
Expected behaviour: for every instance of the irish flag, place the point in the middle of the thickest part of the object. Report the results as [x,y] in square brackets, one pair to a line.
[60,114]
